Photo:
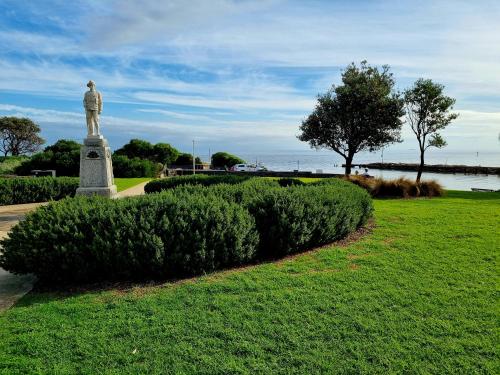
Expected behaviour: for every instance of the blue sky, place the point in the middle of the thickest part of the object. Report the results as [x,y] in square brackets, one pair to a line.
[239,75]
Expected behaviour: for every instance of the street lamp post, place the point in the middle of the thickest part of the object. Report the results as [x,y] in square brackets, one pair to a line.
[194,165]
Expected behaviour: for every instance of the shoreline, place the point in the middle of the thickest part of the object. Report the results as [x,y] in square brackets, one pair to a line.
[436,168]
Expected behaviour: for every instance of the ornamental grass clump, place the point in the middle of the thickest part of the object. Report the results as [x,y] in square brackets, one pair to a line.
[40,189]
[397,188]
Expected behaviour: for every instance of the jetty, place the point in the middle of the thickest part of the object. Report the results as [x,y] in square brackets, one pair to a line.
[437,168]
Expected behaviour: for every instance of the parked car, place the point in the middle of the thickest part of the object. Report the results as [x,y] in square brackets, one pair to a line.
[243,168]
[247,168]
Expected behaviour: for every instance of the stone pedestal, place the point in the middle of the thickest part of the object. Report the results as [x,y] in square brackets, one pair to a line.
[96,169]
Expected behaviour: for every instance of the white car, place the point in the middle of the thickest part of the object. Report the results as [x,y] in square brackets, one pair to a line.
[243,168]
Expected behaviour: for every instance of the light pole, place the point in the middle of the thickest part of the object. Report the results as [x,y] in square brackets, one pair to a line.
[194,165]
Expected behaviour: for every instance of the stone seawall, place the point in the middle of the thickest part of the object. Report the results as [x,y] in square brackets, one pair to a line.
[437,168]
[259,174]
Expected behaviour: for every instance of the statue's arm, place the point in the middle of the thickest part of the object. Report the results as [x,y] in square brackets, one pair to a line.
[100,103]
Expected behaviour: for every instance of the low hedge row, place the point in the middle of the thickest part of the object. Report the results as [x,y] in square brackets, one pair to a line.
[156,186]
[40,189]
[186,231]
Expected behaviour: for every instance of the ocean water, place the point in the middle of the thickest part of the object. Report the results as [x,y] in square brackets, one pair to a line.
[330,162]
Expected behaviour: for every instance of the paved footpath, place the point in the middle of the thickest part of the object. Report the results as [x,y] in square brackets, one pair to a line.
[13,287]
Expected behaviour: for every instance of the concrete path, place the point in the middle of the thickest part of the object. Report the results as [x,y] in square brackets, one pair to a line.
[133,191]
[13,287]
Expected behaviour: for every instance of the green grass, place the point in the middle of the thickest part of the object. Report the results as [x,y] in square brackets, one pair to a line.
[417,295]
[125,183]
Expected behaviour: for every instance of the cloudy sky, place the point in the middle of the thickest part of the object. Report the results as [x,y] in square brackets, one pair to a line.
[239,75]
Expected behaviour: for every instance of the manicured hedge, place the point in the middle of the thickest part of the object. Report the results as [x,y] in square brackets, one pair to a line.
[40,189]
[294,219]
[151,237]
[187,230]
[156,186]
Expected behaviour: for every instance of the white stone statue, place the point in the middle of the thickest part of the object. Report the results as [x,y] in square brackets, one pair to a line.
[92,102]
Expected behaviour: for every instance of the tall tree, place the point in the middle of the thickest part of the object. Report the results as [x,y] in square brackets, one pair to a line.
[364,113]
[19,136]
[428,112]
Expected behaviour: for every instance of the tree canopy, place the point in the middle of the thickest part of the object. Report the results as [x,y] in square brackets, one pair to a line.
[224,159]
[428,112]
[363,113]
[19,136]
[63,156]
[159,153]
[186,159]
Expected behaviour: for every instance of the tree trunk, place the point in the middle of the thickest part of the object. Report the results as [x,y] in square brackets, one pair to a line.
[348,164]
[421,166]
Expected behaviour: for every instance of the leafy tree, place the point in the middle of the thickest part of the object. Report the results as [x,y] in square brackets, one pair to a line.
[63,156]
[186,159]
[136,148]
[224,159]
[427,112]
[19,136]
[159,153]
[364,113]
[165,153]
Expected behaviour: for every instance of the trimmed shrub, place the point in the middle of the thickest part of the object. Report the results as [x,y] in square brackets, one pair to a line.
[187,230]
[40,189]
[297,218]
[151,237]
[197,179]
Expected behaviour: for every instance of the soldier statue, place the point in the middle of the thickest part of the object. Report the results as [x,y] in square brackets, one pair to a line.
[92,102]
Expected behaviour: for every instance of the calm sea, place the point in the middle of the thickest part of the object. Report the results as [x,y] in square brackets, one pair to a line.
[329,162]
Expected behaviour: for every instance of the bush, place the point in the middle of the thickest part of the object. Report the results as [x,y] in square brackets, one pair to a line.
[40,189]
[294,219]
[63,156]
[224,159]
[197,179]
[8,164]
[135,167]
[187,230]
[151,237]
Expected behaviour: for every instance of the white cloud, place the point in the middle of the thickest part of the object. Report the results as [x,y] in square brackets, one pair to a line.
[262,102]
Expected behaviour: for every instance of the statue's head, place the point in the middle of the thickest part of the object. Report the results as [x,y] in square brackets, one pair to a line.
[91,84]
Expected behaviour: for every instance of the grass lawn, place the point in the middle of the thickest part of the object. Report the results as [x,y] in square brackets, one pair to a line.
[417,295]
[125,183]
